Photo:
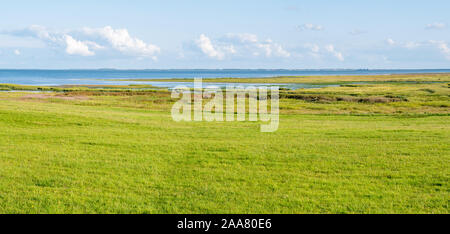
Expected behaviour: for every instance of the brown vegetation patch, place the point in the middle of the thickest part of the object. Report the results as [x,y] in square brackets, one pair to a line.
[118,93]
[329,98]
[48,96]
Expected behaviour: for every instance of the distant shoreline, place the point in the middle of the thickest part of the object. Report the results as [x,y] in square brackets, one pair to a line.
[224,69]
[409,77]
[291,82]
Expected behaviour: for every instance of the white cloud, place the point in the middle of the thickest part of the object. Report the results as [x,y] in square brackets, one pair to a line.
[338,55]
[243,37]
[313,47]
[389,41]
[38,32]
[436,25]
[42,33]
[75,47]
[205,44]
[121,40]
[445,50]
[311,27]
[411,45]
[17,52]
[356,32]
[407,45]
[270,48]
[318,52]
[266,48]
[314,50]
[56,39]
[229,49]
[443,47]
[250,43]
[84,42]
[93,45]
[239,44]
[279,51]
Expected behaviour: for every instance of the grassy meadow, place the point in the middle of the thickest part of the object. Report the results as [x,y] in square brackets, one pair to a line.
[378,147]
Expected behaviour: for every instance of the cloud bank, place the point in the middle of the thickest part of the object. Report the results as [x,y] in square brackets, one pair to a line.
[442,46]
[311,27]
[121,40]
[328,50]
[88,41]
[239,45]
[436,25]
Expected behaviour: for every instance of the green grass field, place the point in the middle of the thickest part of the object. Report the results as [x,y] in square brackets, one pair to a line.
[375,148]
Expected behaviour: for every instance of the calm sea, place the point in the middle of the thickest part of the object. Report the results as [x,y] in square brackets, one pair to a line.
[63,77]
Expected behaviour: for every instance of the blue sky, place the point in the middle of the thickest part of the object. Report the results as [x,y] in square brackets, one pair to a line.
[225,34]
